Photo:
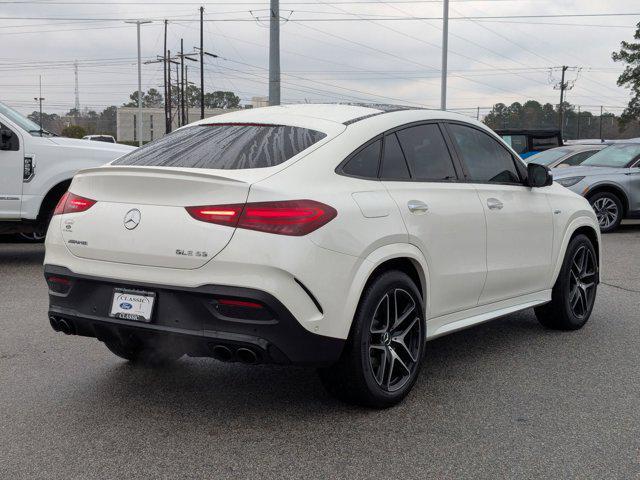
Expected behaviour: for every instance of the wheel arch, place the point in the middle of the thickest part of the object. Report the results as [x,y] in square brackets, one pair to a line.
[398,256]
[50,200]
[611,188]
[580,225]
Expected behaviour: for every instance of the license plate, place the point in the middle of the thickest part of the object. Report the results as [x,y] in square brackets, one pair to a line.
[132,304]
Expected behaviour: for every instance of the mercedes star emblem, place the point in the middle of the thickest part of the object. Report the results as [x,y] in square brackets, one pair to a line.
[132,219]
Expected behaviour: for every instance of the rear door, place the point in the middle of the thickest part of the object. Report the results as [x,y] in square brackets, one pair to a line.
[519,218]
[11,175]
[443,216]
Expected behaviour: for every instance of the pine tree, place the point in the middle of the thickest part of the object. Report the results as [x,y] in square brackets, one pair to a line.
[630,54]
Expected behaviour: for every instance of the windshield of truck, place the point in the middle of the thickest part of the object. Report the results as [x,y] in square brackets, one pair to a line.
[20,120]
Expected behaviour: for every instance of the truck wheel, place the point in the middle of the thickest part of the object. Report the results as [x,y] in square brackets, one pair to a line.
[39,232]
[37,236]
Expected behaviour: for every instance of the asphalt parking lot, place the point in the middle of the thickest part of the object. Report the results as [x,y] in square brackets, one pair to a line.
[506,399]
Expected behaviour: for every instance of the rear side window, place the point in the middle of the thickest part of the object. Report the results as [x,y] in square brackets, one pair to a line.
[486,159]
[365,162]
[427,153]
[224,146]
[517,142]
[578,158]
[394,165]
[544,143]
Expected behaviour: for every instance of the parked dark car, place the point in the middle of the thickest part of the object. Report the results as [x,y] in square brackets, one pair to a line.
[529,142]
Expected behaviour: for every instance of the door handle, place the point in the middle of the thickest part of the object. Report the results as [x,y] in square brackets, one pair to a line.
[494,204]
[417,207]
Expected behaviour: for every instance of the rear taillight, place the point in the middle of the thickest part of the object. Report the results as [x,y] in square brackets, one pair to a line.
[290,217]
[59,285]
[242,309]
[219,214]
[72,203]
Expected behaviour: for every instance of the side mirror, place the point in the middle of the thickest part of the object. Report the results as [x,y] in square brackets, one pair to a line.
[5,139]
[538,175]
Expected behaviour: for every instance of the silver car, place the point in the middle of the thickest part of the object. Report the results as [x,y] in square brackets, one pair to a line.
[567,156]
[610,180]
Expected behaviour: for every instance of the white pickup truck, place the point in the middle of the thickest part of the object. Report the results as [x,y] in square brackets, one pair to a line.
[36,168]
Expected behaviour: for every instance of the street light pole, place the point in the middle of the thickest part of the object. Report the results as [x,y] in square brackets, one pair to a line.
[445,46]
[40,99]
[274,53]
[201,62]
[139,122]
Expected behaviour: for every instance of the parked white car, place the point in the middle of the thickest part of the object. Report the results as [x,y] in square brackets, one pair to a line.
[340,236]
[36,168]
[100,138]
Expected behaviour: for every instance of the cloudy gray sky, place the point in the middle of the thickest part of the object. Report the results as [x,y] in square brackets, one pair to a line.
[357,50]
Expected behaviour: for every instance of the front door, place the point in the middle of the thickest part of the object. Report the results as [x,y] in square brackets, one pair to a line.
[444,217]
[11,172]
[519,218]
[633,176]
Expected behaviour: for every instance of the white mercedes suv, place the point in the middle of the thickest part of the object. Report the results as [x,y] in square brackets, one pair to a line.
[338,236]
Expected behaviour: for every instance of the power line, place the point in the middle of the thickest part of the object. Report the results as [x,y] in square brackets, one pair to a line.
[353,2]
[349,19]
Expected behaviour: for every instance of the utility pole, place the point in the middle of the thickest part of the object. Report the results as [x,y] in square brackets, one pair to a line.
[77,90]
[578,132]
[166,60]
[563,86]
[178,95]
[138,23]
[274,53]
[186,92]
[182,82]
[202,54]
[478,114]
[201,63]
[181,86]
[40,99]
[169,98]
[601,139]
[445,47]
[167,115]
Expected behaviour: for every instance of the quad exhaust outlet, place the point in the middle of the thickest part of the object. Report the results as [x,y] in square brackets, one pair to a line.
[242,354]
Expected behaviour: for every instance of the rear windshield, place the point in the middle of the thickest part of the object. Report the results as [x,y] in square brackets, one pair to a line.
[224,146]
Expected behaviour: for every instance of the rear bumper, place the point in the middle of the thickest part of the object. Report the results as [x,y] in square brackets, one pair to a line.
[190,319]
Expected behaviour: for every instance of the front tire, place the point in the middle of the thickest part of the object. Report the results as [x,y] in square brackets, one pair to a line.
[608,209]
[574,293]
[384,353]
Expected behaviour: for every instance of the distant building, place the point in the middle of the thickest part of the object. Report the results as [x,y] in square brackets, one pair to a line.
[257,102]
[153,122]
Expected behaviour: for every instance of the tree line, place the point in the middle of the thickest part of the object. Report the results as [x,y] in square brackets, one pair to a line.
[78,123]
[152,98]
[577,122]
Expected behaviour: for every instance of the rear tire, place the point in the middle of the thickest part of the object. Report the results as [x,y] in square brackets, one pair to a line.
[609,210]
[139,353]
[574,292]
[382,358]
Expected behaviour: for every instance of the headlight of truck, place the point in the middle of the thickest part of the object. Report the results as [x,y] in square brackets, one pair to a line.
[569,181]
